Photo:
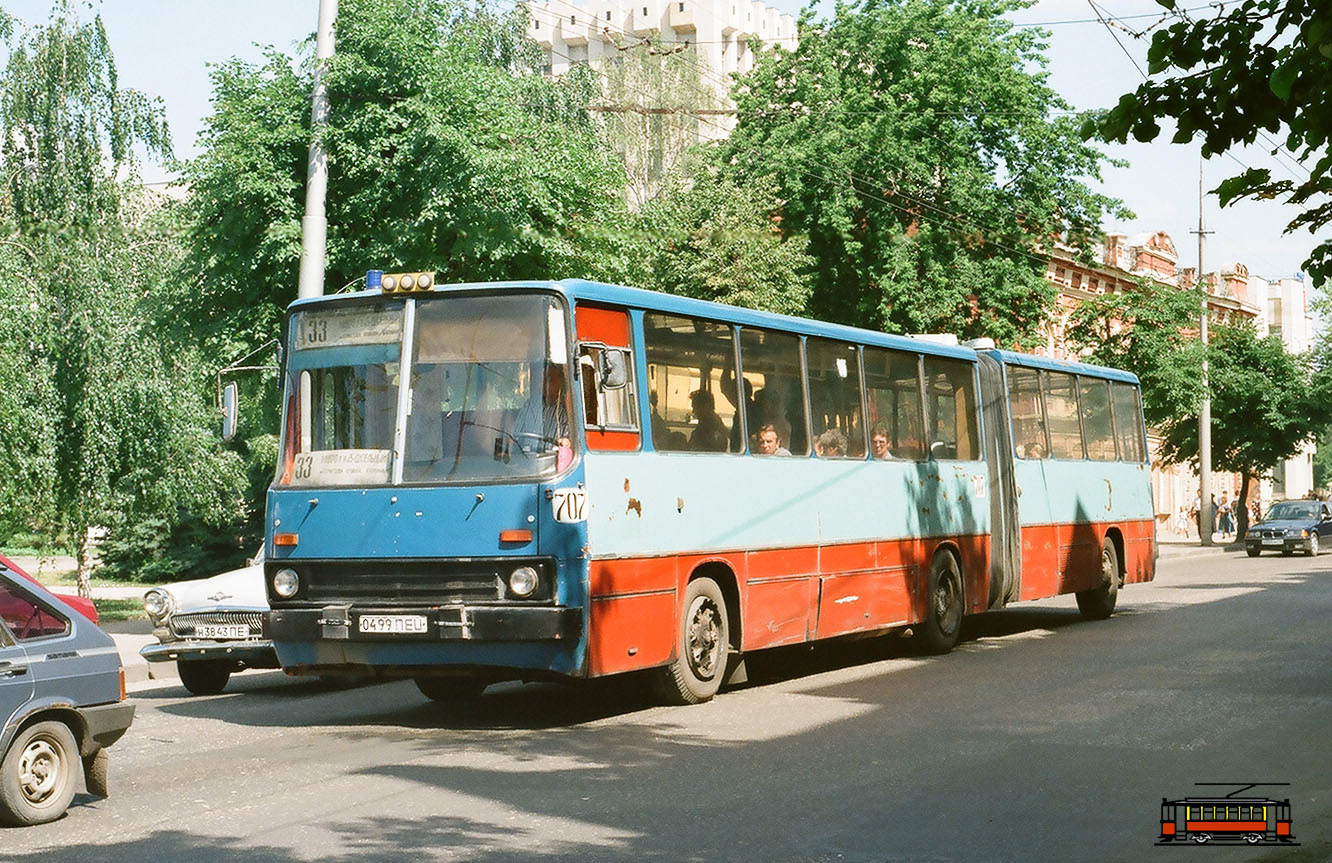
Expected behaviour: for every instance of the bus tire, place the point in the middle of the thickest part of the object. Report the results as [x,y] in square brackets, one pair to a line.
[204,676]
[1099,602]
[450,690]
[701,648]
[943,614]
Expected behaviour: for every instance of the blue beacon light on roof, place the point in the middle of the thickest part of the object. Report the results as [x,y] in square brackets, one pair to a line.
[374,279]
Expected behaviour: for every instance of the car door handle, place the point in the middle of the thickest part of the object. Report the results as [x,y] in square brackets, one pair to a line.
[9,669]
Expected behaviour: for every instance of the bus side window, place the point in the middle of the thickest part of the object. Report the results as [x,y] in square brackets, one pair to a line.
[1061,412]
[892,391]
[834,399]
[689,361]
[1026,413]
[770,364]
[1128,422]
[1094,397]
[950,409]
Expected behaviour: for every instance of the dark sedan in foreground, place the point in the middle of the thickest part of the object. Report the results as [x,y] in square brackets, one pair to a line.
[1290,526]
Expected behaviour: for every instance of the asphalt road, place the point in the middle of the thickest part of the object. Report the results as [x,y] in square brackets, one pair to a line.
[1041,737]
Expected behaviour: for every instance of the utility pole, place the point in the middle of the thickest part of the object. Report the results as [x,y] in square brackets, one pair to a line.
[1205,513]
[314,224]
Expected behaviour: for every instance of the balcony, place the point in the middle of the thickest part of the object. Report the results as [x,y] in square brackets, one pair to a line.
[574,33]
[682,17]
[644,22]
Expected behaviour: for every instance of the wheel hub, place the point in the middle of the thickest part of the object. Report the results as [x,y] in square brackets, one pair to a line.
[704,639]
[39,770]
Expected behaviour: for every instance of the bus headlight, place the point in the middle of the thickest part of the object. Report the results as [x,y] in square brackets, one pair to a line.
[523,581]
[285,583]
[158,603]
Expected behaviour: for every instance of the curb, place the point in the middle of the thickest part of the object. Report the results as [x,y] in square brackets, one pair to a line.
[137,669]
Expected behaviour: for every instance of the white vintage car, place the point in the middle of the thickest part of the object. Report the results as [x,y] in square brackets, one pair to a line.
[211,627]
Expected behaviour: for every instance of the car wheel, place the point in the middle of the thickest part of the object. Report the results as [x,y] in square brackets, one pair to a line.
[39,774]
[1253,552]
[204,677]
[1313,545]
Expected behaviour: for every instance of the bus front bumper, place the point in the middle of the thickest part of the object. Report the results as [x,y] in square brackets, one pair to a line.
[349,622]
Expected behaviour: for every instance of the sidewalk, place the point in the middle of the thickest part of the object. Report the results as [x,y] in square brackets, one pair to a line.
[1173,545]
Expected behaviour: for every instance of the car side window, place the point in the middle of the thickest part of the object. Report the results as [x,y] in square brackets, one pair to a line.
[27,619]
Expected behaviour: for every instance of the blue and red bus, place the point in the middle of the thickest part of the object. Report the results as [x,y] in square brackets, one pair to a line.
[481,482]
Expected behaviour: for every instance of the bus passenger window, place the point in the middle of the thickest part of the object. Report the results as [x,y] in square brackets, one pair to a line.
[689,363]
[770,364]
[834,399]
[892,391]
[1061,411]
[1094,397]
[950,409]
[1026,413]
[1128,422]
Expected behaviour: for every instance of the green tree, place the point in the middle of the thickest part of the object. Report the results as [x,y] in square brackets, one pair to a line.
[917,144]
[1265,406]
[445,153]
[115,430]
[708,238]
[1253,68]
[1151,330]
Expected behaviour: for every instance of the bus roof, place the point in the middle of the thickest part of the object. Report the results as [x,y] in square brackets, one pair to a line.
[598,292]
[1035,362]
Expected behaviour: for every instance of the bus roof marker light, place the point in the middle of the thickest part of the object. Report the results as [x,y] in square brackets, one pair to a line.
[389,282]
[374,279]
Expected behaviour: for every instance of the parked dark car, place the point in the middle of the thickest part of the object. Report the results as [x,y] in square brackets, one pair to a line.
[1290,526]
[62,701]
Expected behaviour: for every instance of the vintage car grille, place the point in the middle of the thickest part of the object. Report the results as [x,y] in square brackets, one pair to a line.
[183,624]
[425,582]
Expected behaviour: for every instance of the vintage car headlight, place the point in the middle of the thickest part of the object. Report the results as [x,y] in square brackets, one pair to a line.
[158,603]
[286,582]
[523,581]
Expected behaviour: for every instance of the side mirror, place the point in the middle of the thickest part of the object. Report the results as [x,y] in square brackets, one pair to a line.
[614,369]
[229,400]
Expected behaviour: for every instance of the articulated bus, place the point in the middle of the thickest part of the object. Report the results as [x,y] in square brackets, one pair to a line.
[487,482]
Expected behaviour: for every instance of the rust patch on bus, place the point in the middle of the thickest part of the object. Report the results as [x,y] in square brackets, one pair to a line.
[634,507]
[626,485]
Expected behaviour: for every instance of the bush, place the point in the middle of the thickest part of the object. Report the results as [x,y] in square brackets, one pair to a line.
[156,551]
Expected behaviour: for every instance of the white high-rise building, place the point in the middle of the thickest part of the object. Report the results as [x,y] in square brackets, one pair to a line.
[719,32]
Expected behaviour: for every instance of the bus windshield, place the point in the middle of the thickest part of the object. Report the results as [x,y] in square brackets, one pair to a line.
[485,394]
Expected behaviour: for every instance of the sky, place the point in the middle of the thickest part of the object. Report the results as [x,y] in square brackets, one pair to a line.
[165,48]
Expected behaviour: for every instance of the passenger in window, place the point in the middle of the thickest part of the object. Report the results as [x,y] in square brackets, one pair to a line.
[1034,450]
[770,409]
[661,433]
[879,444]
[831,444]
[769,443]
[710,434]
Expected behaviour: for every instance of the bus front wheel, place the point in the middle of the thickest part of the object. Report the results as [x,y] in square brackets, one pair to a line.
[1099,602]
[701,647]
[943,616]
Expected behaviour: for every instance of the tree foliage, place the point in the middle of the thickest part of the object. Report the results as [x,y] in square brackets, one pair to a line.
[110,422]
[918,146]
[441,157]
[1260,66]
[1151,330]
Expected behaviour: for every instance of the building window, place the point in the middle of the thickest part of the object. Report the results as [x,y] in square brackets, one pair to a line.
[607,14]
[573,19]
[536,25]
[644,11]
[681,7]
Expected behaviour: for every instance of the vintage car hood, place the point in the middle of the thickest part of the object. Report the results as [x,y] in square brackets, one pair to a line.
[239,589]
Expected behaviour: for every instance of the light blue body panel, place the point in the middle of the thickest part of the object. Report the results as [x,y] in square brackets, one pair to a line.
[1057,491]
[648,504]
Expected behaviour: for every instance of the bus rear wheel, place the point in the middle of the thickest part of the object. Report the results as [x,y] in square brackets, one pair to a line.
[943,615]
[701,647]
[1099,602]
